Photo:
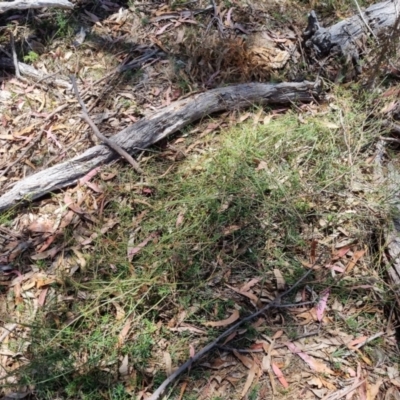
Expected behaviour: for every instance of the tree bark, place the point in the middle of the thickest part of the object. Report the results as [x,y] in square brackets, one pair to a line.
[25,4]
[345,36]
[156,127]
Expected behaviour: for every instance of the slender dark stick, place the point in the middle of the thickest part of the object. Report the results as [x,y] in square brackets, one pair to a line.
[100,136]
[15,58]
[205,350]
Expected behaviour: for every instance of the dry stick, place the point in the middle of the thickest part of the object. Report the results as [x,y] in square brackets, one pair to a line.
[365,22]
[100,136]
[14,54]
[213,344]
[38,138]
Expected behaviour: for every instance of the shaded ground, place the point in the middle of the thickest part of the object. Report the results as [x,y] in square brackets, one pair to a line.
[110,285]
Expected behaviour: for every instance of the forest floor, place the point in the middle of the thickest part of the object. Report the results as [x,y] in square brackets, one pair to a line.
[108,286]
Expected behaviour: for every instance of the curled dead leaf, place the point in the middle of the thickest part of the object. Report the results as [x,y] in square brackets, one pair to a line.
[234,317]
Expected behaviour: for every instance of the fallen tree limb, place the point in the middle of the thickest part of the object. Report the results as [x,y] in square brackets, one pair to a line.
[151,129]
[345,36]
[100,136]
[275,303]
[25,4]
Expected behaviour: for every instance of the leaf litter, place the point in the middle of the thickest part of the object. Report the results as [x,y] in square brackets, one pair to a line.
[48,250]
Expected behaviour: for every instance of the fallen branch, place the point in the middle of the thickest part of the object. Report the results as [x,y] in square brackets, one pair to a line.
[151,129]
[205,350]
[344,37]
[25,4]
[100,136]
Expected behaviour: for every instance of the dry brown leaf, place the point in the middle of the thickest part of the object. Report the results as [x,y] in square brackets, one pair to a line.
[314,364]
[135,250]
[262,165]
[257,117]
[243,117]
[168,363]
[44,281]
[364,357]
[124,332]
[179,220]
[48,253]
[330,125]
[120,313]
[328,384]
[267,119]
[356,257]
[187,327]
[280,282]
[41,226]
[249,295]
[250,377]
[247,286]
[279,375]
[246,361]
[124,367]
[234,317]
[219,364]
[23,131]
[229,338]
[277,335]
[356,341]
[42,297]
[182,392]
[388,107]
[230,229]
[47,243]
[266,364]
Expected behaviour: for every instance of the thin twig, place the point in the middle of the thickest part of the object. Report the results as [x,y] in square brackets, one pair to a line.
[389,139]
[205,350]
[15,58]
[34,142]
[365,22]
[100,136]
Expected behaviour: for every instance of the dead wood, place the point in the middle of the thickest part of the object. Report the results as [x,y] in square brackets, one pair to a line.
[25,4]
[100,136]
[156,127]
[347,36]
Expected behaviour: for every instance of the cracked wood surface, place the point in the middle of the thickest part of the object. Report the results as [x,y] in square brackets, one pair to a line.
[346,36]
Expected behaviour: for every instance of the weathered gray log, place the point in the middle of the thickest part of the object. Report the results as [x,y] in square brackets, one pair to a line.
[344,35]
[151,129]
[25,4]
